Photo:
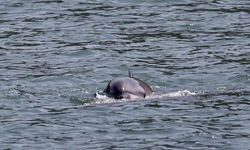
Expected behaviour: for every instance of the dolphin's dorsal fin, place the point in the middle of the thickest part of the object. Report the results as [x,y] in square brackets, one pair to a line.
[130,74]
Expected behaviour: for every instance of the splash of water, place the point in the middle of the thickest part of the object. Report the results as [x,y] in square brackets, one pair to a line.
[103,99]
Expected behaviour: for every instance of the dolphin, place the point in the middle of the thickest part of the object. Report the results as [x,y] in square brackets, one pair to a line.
[127,87]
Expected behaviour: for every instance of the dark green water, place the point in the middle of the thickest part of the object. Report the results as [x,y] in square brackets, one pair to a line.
[55,54]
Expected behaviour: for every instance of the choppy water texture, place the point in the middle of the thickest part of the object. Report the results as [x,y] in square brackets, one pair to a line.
[55,54]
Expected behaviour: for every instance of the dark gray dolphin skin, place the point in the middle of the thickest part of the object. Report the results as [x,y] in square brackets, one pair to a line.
[128,87]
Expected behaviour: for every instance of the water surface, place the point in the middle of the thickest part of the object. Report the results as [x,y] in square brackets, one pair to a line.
[55,54]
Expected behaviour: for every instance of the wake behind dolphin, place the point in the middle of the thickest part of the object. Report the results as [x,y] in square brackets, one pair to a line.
[127,87]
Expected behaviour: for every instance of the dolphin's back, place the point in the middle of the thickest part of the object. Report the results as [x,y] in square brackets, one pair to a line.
[127,87]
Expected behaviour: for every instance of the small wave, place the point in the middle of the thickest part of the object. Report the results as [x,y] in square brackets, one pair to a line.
[100,98]
[225,93]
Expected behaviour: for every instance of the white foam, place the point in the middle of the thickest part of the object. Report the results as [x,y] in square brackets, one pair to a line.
[100,96]
[174,94]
